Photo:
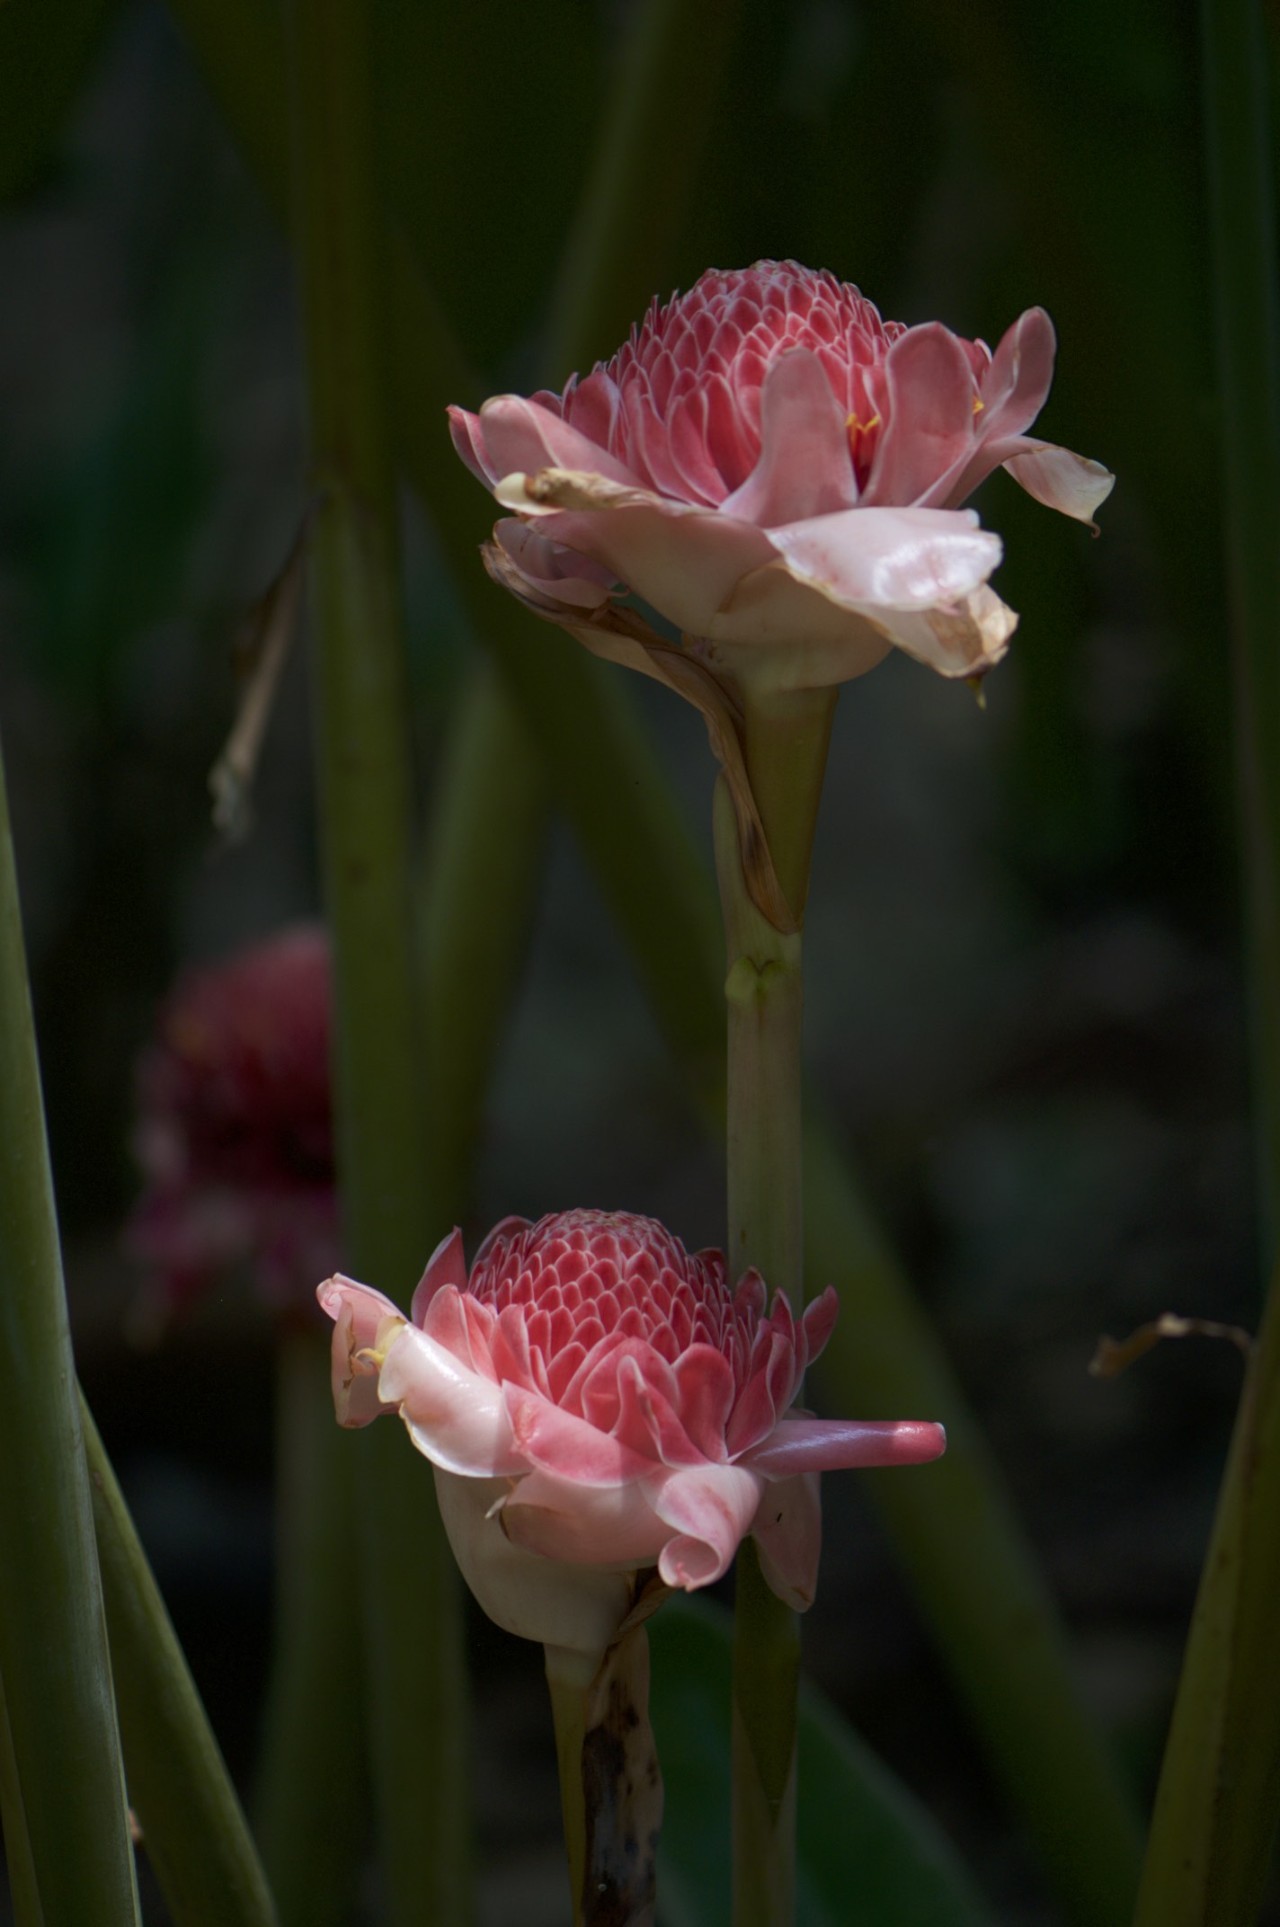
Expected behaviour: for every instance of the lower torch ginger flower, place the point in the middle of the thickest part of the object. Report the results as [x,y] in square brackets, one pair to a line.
[596,1401]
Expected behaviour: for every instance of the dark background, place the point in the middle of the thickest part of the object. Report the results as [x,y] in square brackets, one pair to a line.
[1025,1003]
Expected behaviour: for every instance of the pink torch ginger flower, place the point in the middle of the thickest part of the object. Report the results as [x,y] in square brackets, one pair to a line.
[235,1133]
[597,1400]
[779,473]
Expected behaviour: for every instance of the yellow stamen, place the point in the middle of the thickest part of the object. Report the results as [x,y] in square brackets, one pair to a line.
[978,404]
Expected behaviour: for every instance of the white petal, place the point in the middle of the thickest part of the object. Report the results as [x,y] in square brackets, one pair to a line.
[579,1607]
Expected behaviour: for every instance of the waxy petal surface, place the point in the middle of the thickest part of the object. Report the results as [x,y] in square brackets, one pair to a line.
[579,1607]
[832,1445]
[456,1418]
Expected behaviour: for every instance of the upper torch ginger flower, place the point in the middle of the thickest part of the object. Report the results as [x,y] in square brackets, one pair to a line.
[596,1400]
[235,1130]
[779,473]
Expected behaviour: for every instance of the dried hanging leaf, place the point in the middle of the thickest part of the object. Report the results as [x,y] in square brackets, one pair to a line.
[1115,1355]
[261,652]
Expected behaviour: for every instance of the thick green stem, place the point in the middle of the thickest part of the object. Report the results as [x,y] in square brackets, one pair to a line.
[413,1627]
[53,1637]
[786,753]
[569,1676]
[610,1785]
[19,1866]
[311,1802]
[193,1829]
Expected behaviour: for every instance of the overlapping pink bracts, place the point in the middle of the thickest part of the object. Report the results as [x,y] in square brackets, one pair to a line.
[235,1131]
[614,1401]
[779,473]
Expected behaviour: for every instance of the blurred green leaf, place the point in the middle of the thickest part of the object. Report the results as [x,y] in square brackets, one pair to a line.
[462,93]
[110,535]
[869,1854]
[45,55]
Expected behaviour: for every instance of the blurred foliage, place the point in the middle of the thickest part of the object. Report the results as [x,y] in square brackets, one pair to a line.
[867,1850]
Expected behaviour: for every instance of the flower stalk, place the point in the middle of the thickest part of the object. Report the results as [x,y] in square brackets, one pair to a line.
[412,1611]
[610,1783]
[786,747]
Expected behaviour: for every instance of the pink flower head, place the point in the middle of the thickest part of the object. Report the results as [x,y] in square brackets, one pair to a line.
[235,1132]
[596,1398]
[780,474]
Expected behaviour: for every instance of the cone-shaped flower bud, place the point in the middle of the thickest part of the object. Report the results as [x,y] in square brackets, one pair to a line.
[779,473]
[596,1401]
[234,1132]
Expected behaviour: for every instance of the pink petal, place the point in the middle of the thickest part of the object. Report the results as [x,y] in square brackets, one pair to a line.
[687,562]
[687,440]
[710,1508]
[1013,391]
[553,574]
[514,1359]
[705,1397]
[454,1320]
[446,1266]
[357,1312]
[592,408]
[930,423]
[805,467]
[584,1524]
[520,437]
[787,1530]
[1070,483]
[468,440]
[648,1421]
[555,1441]
[832,1445]
[817,1324]
[890,558]
[1016,385]
[503,1232]
[456,1417]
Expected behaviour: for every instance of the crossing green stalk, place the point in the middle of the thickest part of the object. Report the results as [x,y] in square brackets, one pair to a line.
[53,1638]
[195,1833]
[412,1632]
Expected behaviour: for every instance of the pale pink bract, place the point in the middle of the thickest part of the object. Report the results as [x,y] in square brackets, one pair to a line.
[598,1397]
[779,473]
